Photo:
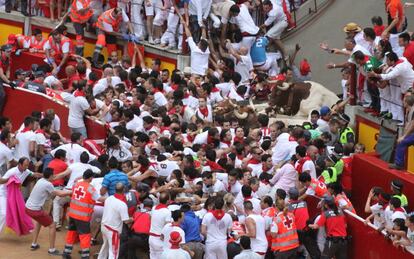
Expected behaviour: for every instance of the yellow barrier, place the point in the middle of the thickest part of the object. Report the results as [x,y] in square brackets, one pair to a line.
[410,160]
[368,136]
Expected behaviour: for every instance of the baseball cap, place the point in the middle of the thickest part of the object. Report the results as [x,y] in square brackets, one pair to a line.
[324,111]
[344,117]
[397,184]
[39,73]
[19,72]
[328,199]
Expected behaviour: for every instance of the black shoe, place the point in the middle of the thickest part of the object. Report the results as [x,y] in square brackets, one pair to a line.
[8,10]
[66,256]
[55,252]
[34,247]
[26,14]
[395,166]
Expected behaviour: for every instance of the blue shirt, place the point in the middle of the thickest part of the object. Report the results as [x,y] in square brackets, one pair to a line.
[258,51]
[191,226]
[112,178]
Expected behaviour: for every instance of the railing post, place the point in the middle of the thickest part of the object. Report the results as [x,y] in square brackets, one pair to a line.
[316,6]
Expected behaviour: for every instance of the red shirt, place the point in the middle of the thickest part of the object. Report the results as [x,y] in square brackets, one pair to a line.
[409,52]
[346,179]
[395,8]
[300,210]
[58,167]
[335,225]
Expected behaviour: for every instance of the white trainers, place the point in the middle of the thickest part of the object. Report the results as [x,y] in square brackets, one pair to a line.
[157,41]
[150,40]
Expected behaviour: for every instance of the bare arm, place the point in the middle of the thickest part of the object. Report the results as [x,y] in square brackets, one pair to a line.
[250,228]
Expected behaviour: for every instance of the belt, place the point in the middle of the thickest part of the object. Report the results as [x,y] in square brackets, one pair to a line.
[337,239]
[260,253]
[246,34]
[154,235]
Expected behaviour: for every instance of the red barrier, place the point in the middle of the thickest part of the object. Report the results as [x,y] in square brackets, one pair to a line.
[21,103]
[369,171]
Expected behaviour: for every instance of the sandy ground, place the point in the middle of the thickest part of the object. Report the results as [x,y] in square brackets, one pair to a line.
[14,247]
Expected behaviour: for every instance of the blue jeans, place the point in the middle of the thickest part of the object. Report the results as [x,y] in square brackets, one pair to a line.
[401,150]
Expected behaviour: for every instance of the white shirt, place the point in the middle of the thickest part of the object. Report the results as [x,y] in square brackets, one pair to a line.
[102,84]
[136,124]
[77,169]
[115,212]
[244,66]
[403,73]
[218,186]
[165,168]
[308,166]
[175,254]
[6,154]
[77,107]
[22,148]
[160,99]
[16,172]
[259,243]
[245,21]
[323,125]
[247,254]
[73,152]
[199,59]
[284,149]
[275,15]
[166,231]
[201,8]
[225,88]
[201,138]
[284,178]
[217,229]
[122,154]
[159,218]
[379,216]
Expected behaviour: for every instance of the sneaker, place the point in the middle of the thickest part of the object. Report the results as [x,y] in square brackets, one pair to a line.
[388,116]
[157,41]
[395,166]
[58,226]
[150,40]
[34,247]
[54,252]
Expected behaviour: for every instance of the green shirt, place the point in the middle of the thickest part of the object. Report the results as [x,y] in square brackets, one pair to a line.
[403,199]
[371,64]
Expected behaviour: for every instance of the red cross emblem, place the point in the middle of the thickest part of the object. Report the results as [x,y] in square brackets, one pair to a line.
[288,222]
[79,193]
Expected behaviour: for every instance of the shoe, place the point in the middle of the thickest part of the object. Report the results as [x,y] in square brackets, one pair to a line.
[54,252]
[34,247]
[66,256]
[150,40]
[157,41]
[26,14]
[8,10]
[395,166]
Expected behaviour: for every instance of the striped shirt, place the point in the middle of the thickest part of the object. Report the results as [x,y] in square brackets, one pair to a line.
[112,178]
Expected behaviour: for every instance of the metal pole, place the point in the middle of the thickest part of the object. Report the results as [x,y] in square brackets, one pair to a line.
[353,85]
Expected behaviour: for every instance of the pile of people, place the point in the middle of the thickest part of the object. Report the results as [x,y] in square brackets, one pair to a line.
[177,176]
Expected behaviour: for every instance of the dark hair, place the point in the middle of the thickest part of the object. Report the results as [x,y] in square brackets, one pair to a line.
[370,33]
[395,202]
[358,55]
[203,44]
[47,172]
[36,31]
[405,36]
[28,120]
[218,203]
[392,56]
[281,194]
[60,153]
[305,177]
[246,191]
[268,200]
[235,9]
[263,120]
[75,137]
[84,157]
[301,151]
[113,163]
[176,215]
[377,20]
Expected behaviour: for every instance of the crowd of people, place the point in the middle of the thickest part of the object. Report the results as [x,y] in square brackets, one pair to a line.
[176,177]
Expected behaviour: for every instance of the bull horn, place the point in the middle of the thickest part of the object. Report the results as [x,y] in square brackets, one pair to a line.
[232,104]
[252,104]
[241,116]
[283,87]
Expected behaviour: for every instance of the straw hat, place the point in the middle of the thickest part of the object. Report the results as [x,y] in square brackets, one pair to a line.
[352,27]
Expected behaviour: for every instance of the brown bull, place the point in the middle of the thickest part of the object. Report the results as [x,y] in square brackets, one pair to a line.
[242,111]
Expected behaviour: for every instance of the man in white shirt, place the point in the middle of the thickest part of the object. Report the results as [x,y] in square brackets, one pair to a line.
[160,216]
[198,11]
[210,186]
[78,108]
[215,227]
[247,252]
[177,217]
[255,229]
[74,149]
[200,53]
[6,154]
[115,214]
[240,16]
[243,61]
[26,140]
[402,71]
[175,251]
[21,171]
[277,17]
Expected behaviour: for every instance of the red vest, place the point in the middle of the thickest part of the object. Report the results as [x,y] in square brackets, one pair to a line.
[57,48]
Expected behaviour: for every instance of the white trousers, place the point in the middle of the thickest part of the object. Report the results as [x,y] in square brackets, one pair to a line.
[58,203]
[156,247]
[396,105]
[216,250]
[169,35]
[385,96]
[109,249]
[3,206]
[136,18]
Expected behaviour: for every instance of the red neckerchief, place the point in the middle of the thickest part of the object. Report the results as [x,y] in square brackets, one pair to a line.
[203,111]
[227,142]
[171,111]
[254,161]
[399,209]
[218,214]
[160,206]
[292,138]
[25,129]
[183,110]
[237,139]
[174,87]
[37,81]
[79,93]
[264,168]
[215,90]
[120,197]
[174,246]
[240,157]
[266,182]
[40,131]
[302,161]
[156,91]
[229,188]
[210,140]
[398,62]
[190,138]
[186,95]
[214,166]
[148,128]
[247,198]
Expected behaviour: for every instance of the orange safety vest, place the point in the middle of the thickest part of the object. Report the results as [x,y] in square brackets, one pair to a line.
[81,203]
[35,44]
[76,16]
[17,40]
[57,48]
[319,187]
[108,17]
[349,205]
[271,213]
[287,236]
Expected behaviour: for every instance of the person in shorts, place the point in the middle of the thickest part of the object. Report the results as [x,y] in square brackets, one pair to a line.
[34,207]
